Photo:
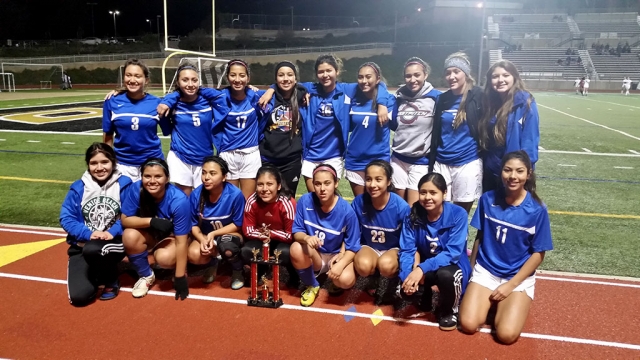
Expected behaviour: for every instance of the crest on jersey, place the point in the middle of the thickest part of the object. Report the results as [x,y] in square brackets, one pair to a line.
[100,213]
[281,118]
[325,109]
[408,113]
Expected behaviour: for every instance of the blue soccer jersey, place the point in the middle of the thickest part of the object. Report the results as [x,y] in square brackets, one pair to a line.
[228,209]
[440,243]
[174,206]
[368,141]
[333,228]
[240,127]
[135,124]
[326,141]
[458,147]
[380,229]
[190,129]
[510,234]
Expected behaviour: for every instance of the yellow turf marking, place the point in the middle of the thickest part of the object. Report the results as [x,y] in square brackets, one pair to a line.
[377,320]
[12,253]
[36,117]
[35,180]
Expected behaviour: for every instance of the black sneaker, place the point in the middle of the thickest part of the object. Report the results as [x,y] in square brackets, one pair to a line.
[448,322]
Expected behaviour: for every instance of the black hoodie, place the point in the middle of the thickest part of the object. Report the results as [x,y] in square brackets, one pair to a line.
[277,146]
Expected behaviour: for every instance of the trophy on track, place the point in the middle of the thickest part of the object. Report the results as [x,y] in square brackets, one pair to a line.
[265,298]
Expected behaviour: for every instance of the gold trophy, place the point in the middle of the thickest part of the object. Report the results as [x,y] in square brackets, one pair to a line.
[265,298]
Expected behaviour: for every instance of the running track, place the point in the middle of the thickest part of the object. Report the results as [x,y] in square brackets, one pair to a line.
[592,318]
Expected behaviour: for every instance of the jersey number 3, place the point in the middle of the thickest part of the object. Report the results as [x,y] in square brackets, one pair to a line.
[135,123]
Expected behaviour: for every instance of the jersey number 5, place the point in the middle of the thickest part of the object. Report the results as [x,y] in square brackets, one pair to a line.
[504,234]
[135,123]
[196,120]
[377,236]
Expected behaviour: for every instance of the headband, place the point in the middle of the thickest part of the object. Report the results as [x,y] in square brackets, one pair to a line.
[413,62]
[237,62]
[151,163]
[189,67]
[459,63]
[288,64]
[325,168]
[372,65]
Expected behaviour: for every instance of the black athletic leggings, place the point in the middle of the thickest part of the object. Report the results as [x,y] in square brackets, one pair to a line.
[94,264]
[449,282]
[290,173]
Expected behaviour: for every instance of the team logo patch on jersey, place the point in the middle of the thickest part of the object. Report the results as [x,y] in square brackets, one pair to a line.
[281,118]
[325,109]
[409,113]
[100,213]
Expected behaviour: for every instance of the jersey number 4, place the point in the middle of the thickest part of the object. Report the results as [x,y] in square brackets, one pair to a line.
[365,122]
[377,236]
[504,234]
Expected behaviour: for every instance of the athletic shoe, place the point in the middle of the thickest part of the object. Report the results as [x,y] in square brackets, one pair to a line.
[237,279]
[141,288]
[448,322]
[309,295]
[110,292]
[210,273]
[334,290]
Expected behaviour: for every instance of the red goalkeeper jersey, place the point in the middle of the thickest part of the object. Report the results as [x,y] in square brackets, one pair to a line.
[278,216]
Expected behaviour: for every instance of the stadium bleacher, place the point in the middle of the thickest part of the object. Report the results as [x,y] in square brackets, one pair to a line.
[520,25]
[543,63]
[612,67]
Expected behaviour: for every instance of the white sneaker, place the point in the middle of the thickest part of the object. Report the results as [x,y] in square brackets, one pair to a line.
[141,288]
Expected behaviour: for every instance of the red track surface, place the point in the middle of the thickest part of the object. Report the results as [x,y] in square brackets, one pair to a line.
[37,322]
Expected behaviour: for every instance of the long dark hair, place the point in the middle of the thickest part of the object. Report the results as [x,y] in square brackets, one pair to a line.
[148,207]
[204,194]
[293,100]
[104,149]
[273,171]
[530,184]
[418,212]
[378,72]
[185,66]
[331,170]
[139,63]
[366,198]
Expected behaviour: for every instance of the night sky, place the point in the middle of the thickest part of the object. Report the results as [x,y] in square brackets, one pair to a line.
[62,19]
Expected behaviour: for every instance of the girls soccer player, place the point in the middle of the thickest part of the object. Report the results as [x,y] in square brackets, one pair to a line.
[381,214]
[190,127]
[268,217]
[326,234]
[412,123]
[132,117]
[454,144]
[369,139]
[216,220]
[325,131]
[513,236]
[281,137]
[90,215]
[510,121]
[155,215]
[437,231]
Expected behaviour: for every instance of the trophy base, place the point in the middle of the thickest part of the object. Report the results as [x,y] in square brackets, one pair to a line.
[269,303]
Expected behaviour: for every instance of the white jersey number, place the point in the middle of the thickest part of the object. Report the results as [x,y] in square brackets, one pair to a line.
[196,120]
[377,236]
[433,246]
[135,123]
[365,122]
[217,225]
[504,234]
[320,235]
[242,121]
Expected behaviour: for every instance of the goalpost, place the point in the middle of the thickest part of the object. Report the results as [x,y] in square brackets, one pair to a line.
[49,73]
[8,82]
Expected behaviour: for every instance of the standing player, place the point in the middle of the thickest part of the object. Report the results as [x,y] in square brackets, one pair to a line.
[576,84]
[326,234]
[268,217]
[369,138]
[281,137]
[325,131]
[510,121]
[454,143]
[412,123]
[190,126]
[626,85]
[216,222]
[513,236]
[586,86]
[133,118]
[90,215]
[155,215]
[381,214]
[437,231]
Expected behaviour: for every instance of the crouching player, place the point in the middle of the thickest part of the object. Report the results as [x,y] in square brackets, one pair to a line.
[216,220]
[155,215]
[437,231]
[513,236]
[90,214]
[327,236]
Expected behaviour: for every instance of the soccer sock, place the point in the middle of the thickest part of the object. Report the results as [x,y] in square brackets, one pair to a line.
[308,277]
[140,263]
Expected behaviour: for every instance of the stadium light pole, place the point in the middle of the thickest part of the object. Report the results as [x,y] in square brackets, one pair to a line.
[292,18]
[93,24]
[484,9]
[114,13]
[158,26]
[149,22]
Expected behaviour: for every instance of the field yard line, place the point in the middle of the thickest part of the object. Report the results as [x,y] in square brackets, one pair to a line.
[591,282]
[587,150]
[60,133]
[567,165]
[623,167]
[635,154]
[33,232]
[574,213]
[35,180]
[53,105]
[31,227]
[612,103]
[347,313]
[590,122]
[582,275]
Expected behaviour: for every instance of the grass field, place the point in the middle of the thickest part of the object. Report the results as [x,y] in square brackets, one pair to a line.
[588,174]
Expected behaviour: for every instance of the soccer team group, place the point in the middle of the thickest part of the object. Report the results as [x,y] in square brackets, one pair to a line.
[409,219]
